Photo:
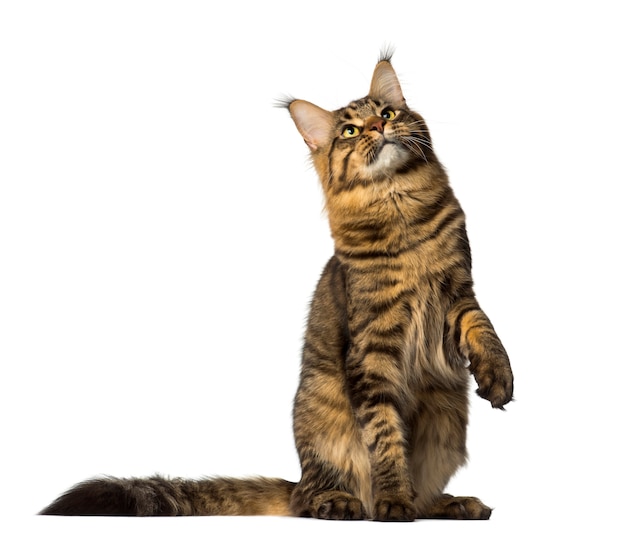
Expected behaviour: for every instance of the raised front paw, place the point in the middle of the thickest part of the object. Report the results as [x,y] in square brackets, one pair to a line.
[337,505]
[495,380]
[394,510]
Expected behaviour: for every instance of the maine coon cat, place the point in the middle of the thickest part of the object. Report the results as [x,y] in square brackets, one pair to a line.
[393,334]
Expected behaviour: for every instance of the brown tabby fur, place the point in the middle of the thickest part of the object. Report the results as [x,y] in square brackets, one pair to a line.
[381,411]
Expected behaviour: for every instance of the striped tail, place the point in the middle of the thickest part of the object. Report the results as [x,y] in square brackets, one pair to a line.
[158,496]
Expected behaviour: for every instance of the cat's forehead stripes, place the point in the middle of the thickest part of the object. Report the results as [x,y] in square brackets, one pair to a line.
[360,109]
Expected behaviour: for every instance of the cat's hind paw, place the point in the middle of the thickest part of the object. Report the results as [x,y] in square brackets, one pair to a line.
[457,508]
[337,505]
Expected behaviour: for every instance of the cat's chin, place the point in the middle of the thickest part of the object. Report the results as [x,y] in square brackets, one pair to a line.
[390,158]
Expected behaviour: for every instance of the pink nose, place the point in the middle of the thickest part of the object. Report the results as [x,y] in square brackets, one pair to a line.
[378,125]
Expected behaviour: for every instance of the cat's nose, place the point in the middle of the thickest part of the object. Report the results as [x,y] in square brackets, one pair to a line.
[376,123]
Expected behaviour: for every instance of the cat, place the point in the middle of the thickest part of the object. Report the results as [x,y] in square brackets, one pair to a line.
[393,333]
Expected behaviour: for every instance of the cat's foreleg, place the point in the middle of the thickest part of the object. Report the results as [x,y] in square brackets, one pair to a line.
[475,338]
[373,377]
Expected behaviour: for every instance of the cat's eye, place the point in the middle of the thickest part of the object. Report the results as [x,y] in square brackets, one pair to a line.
[388,114]
[350,131]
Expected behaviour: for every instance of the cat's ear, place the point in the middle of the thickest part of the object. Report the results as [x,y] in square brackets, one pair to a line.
[385,85]
[314,123]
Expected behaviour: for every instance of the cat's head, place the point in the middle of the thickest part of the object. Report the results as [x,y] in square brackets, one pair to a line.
[371,139]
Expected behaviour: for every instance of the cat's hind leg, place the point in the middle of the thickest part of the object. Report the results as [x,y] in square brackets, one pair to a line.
[329,504]
[457,507]
[335,480]
[437,450]
[335,483]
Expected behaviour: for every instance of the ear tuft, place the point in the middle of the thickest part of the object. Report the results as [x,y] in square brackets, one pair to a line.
[314,123]
[386,53]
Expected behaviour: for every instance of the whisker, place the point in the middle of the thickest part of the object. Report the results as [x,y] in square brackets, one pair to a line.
[425,141]
[415,123]
[414,144]
[421,122]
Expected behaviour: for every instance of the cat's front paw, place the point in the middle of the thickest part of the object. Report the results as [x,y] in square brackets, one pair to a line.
[495,380]
[394,510]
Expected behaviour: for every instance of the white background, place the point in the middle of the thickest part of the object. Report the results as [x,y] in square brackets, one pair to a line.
[161,234]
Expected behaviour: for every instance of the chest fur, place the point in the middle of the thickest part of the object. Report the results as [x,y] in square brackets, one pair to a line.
[397,305]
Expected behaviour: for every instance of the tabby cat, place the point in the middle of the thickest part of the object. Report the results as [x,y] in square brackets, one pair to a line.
[393,333]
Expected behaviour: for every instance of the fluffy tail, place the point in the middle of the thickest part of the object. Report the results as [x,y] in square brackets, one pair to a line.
[158,496]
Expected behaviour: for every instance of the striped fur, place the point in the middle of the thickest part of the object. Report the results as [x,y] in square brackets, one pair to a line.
[381,410]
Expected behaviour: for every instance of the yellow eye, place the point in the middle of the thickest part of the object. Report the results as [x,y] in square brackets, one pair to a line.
[350,131]
[388,114]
